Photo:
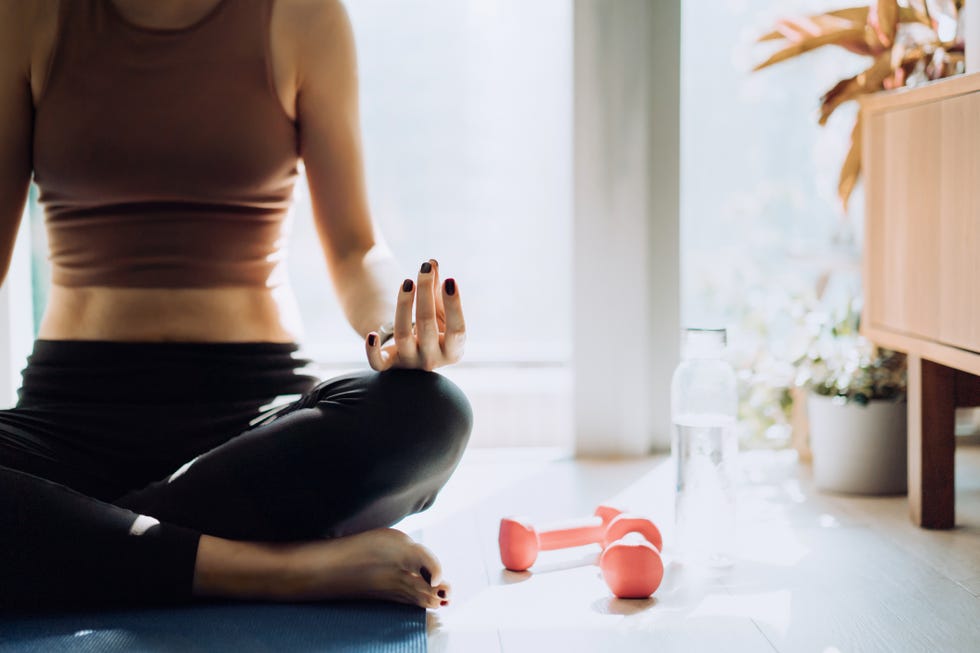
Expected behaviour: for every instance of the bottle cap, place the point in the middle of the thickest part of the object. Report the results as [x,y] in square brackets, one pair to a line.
[703,343]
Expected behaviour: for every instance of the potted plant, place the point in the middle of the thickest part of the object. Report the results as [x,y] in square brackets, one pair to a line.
[908,42]
[857,411]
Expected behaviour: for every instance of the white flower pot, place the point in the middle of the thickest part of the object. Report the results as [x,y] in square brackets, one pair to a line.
[858,449]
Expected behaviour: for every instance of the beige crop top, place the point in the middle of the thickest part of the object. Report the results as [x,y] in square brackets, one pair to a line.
[164,157]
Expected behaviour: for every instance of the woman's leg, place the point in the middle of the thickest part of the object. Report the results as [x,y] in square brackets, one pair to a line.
[357,452]
[61,548]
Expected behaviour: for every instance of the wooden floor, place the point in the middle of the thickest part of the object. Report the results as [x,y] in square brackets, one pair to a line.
[814,572]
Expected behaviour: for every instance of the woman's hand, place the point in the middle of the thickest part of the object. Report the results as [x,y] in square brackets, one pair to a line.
[439,332]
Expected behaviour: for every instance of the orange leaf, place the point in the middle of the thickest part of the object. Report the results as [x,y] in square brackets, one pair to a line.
[919,6]
[795,49]
[911,15]
[869,81]
[883,19]
[851,169]
[872,78]
[844,90]
[853,14]
[796,29]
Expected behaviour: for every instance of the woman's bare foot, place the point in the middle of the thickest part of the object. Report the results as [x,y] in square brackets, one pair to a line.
[379,564]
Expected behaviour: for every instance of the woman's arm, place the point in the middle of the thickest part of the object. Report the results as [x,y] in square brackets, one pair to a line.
[16,122]
[364,272]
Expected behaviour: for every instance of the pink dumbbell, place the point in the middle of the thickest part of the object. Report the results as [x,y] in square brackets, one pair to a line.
[630,564]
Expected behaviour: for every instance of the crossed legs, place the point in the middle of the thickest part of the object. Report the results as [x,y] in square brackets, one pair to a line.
[355,453]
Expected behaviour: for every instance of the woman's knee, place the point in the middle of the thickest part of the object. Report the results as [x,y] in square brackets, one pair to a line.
[400,415]
[424,411]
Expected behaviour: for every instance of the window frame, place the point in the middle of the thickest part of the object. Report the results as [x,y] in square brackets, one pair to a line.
[16,313]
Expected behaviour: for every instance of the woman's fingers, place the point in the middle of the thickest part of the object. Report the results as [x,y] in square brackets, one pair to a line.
[455,337]
[439,332]
[440,304]
[426,326]
[408,352]
[378,359]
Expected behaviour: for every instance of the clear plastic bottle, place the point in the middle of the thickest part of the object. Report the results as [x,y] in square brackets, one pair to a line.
[704,405]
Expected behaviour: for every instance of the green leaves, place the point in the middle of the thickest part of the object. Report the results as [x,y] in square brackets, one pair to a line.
[839,362]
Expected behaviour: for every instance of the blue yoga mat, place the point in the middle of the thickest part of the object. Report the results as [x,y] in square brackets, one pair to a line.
[363,626]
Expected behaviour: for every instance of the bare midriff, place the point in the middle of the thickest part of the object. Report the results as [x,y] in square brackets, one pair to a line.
[228,314]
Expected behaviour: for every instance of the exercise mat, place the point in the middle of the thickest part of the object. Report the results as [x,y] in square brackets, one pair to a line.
[374,627]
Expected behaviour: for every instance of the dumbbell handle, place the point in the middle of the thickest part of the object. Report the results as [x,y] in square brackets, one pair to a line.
[588,530]
[520,542]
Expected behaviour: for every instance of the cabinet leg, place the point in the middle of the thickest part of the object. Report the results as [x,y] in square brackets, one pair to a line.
[931,431]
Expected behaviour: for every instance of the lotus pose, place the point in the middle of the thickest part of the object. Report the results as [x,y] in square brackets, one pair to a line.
[166,443]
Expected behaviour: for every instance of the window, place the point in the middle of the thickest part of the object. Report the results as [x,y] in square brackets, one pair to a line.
[761,224]
[466,115]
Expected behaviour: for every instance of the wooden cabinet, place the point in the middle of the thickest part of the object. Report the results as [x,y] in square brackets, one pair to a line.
[959,244]
[922,265]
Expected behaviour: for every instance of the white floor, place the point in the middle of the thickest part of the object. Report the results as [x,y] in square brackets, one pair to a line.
[815,572]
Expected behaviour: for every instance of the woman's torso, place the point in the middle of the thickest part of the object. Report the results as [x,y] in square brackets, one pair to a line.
[207,314]
[171,314]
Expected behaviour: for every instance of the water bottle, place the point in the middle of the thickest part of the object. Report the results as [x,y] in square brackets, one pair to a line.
[704,406]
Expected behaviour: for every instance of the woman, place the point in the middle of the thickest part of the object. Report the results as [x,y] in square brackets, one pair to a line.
[138,464]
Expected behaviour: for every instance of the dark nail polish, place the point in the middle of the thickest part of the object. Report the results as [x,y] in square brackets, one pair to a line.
[426,575]
[450,286]
[444,603]
[372,339]
[407,286]
[442,594]
[426,267]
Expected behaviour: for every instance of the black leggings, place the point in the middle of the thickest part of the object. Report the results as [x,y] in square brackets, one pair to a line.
[118,456]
